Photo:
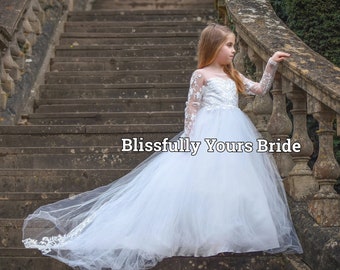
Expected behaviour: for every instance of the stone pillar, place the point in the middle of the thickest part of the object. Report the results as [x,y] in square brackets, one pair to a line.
[301,183]
[324,207]
[280,126]
[262,105]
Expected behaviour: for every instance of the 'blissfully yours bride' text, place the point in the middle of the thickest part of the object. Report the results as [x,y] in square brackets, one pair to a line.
[184,144]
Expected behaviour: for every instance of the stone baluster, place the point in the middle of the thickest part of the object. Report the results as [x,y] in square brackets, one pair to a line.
[324,207]
[301,183]
[280,126]
[240,55]
[39,12]
[3,94]
[7,82]
[23,42]
[262,105]
[34,21]
[11,67]
[221,12]
[29,32]
[246,101]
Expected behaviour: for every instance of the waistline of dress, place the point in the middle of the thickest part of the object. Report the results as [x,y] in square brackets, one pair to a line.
[219,107]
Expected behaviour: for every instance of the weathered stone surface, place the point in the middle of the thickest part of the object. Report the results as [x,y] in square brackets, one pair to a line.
[57,180]
[22,88]
[126,50]
[121,63]
[187,15]
[10,13]
[109,77]
[265,33]
[152,4]
[23,259]
[227,261]
[133,27]
[321,244]
[93,135]
[141,90]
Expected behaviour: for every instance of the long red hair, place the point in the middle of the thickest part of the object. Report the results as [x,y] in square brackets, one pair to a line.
[211,41]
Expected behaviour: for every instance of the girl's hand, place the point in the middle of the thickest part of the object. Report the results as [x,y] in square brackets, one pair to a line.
[280,56]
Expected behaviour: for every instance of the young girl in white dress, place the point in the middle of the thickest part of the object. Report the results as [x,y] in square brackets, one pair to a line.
[223,197]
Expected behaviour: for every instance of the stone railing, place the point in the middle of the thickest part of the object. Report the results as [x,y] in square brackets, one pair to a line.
[21,25]
[310,83]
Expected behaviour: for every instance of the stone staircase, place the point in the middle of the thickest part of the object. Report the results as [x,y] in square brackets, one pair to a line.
[120,70]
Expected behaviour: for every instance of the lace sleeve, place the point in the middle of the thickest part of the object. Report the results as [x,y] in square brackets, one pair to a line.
[262,87]
[193,102]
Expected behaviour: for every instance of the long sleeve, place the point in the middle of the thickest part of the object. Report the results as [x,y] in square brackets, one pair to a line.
[193,102]
[262,87]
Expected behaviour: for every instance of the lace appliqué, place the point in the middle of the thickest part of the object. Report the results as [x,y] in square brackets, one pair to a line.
[262,87]
[219,93]
[46,244]
[194,101]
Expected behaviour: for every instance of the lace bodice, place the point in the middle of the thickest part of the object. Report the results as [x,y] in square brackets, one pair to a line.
[217,92]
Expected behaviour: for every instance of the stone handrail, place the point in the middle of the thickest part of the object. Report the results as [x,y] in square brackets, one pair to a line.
[311,83]
[21,25]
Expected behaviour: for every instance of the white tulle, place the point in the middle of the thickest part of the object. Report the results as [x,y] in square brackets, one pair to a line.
[175,203]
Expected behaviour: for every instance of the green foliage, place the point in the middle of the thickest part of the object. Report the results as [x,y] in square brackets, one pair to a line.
[315,22]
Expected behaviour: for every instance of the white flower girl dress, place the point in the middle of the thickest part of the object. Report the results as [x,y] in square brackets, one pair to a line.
[221,199]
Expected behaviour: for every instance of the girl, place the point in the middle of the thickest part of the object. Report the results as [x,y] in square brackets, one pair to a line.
[226,197]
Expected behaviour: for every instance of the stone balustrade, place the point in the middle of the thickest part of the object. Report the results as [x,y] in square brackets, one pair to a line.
[21,25]
[312,86]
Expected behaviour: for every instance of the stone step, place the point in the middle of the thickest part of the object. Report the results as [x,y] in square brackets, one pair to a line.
[110,105]
[144,15]
[134,27]
[124,76]
[10,235]
[11,246]
[147,5]
[104,157]
[141,90]
[173,118]
[121,63]
[16,205]
[155,50]
[83,39]
[19,258]
[82,135]
[27,259]
[57,180]
[114,3]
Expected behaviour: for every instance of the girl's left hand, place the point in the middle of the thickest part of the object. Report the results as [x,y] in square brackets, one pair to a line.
[280,56]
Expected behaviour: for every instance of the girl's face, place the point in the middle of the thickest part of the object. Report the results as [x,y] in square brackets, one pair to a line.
[226,54]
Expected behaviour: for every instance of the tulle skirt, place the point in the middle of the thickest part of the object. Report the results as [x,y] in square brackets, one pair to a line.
[222,198]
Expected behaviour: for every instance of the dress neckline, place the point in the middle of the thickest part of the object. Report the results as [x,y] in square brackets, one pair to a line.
[219,78]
